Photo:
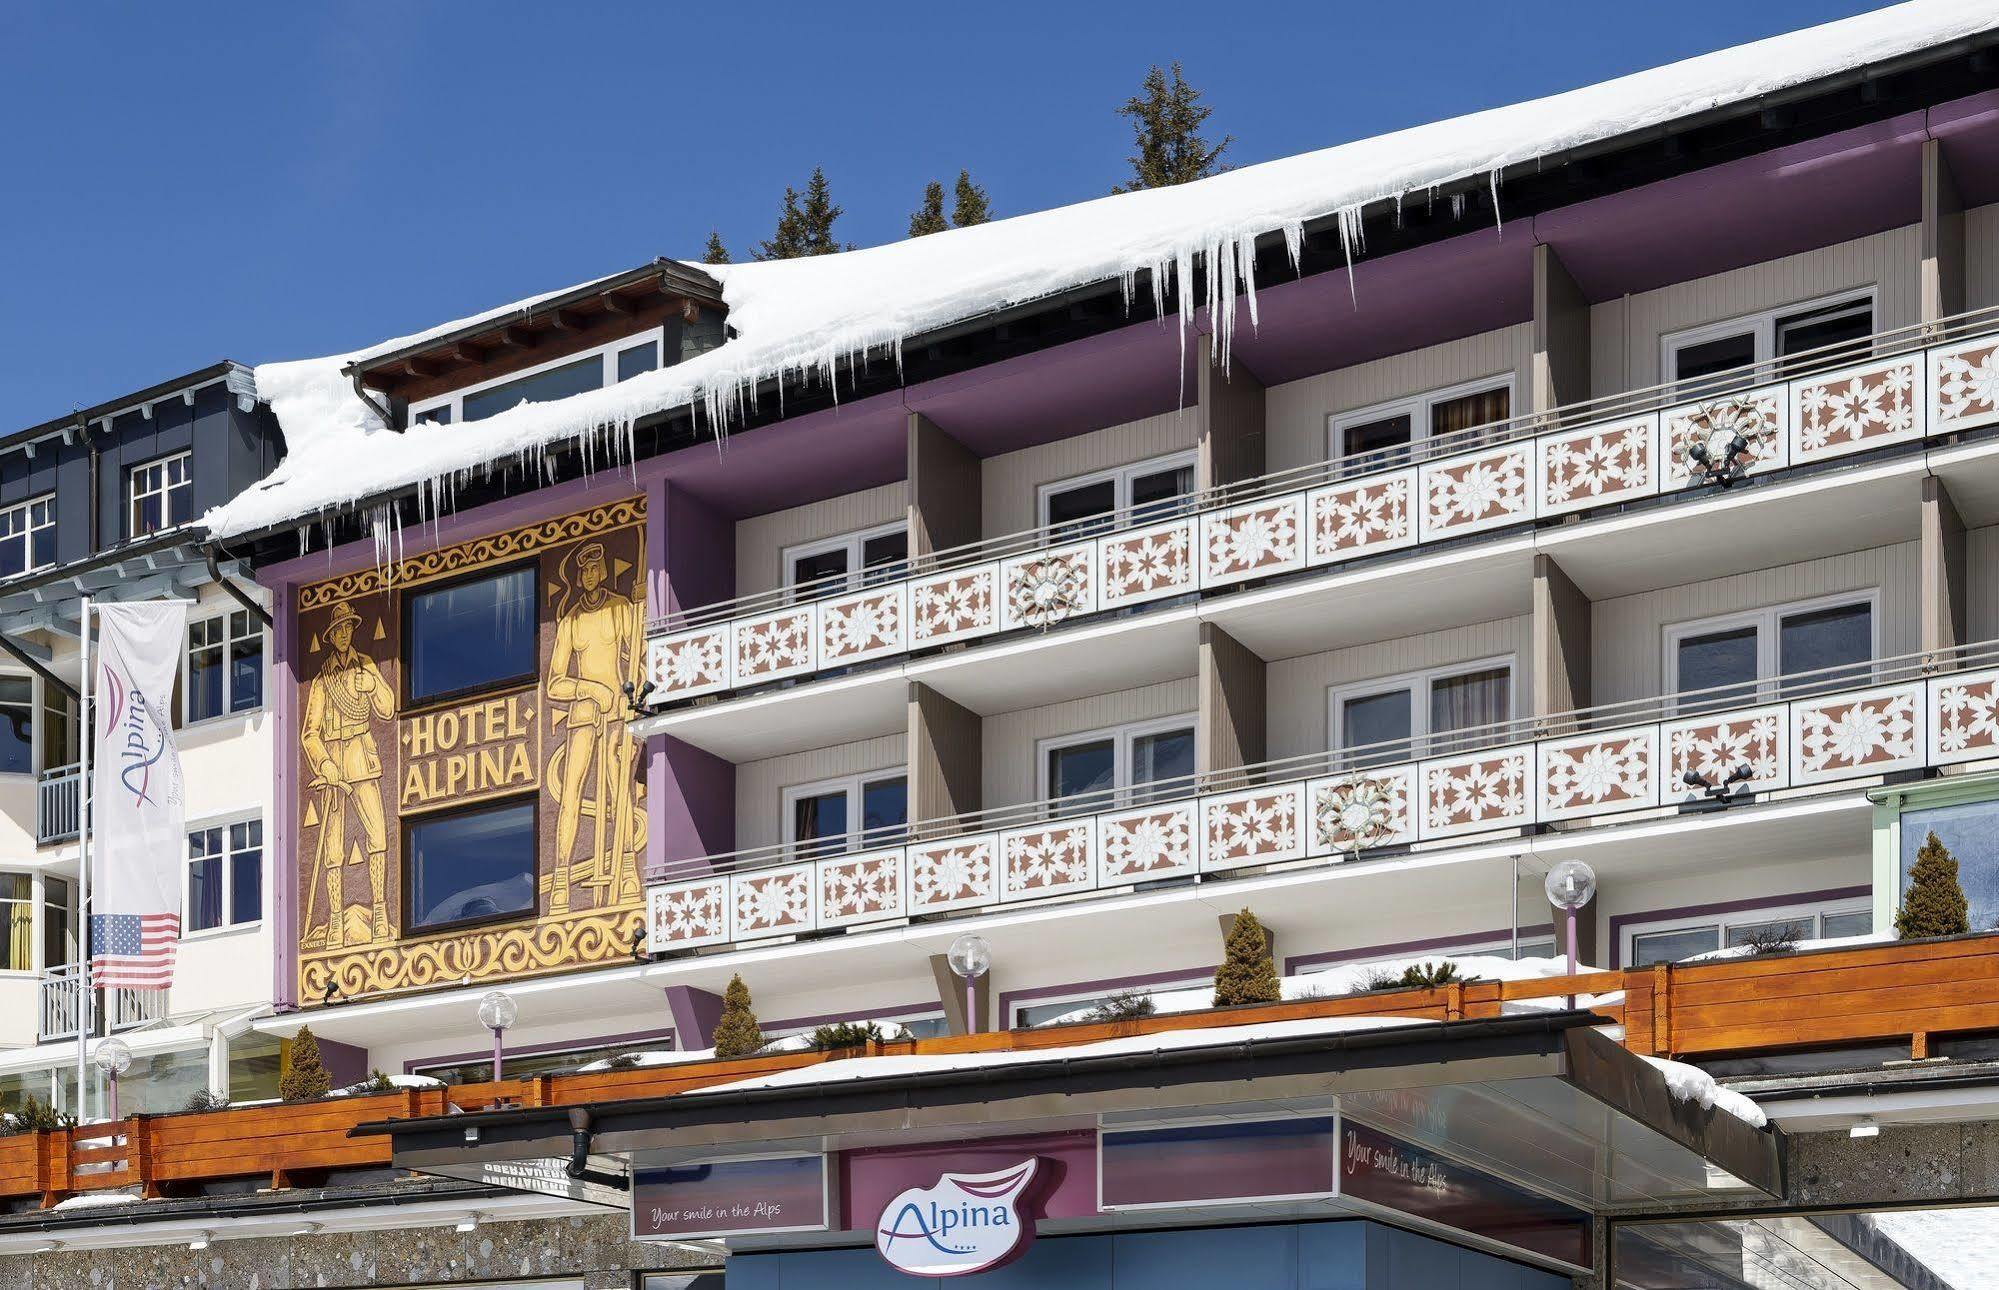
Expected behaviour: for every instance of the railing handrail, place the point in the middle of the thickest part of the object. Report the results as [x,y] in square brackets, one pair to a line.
[1566,417]
[1759,693]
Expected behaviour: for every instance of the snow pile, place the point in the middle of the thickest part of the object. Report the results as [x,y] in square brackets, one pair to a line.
[98,1200]
[1956,1244]
[803,317]
[370,1085]
[1692,1084]
[1353,978]
[865,1068]
[798,1043]
[1824,943]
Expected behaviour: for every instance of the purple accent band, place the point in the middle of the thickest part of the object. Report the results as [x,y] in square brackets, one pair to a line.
[695,1013]
[284,737]
[1619,922]
[1298,962]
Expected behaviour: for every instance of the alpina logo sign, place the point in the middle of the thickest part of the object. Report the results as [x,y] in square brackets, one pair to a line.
[963,1223]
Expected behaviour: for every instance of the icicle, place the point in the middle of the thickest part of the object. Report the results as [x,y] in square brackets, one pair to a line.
[1498,222]
[1351,235]
[1457,206]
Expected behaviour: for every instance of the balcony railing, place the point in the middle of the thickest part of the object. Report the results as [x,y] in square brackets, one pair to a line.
[1797,731]
[1804,409]
[59,1002]
[58,804]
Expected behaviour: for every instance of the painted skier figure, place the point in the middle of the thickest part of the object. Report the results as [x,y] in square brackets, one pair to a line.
[338,741]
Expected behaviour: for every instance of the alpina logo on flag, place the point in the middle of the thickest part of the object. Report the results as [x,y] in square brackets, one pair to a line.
[137,807]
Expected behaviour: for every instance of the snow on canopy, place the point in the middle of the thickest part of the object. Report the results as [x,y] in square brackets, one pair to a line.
[804,317]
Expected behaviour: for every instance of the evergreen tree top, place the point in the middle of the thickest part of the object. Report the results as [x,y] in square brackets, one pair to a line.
[969,206]
[804,224]
[929,217]
[715,253]
[1166,117]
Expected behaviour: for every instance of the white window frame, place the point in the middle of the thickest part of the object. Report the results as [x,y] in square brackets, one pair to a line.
[1767,619]
[1419,407]
[35,723]
[1121,476]
[26,508]
[227,856]
[853,543]
[1419,713]
[133,495]
[607,353]
[1122,738]
[852,785]
[1763,324]
[187,717]
[1722,923]
[35,915]
[1079,997]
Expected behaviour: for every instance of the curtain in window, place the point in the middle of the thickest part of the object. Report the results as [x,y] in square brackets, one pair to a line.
[17,907]
[1468,410]
[1471,700]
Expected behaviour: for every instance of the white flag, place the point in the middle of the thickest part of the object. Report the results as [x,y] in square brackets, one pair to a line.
[137,805]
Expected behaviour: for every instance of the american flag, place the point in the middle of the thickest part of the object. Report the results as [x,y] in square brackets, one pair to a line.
[133,951]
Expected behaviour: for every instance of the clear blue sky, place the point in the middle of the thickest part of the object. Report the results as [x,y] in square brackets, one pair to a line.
[186,182]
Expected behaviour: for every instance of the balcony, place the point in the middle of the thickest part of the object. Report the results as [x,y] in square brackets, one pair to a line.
[58,804]
[59,1000]
[1787,417]
[1692,751]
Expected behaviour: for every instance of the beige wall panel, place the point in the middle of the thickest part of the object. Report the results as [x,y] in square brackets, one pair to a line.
[1981,257]
[761,539]
[1012,479]
[1297,410]
[1981,560]
[1010,738]
[760,785]
[1298,686]
[1628,660]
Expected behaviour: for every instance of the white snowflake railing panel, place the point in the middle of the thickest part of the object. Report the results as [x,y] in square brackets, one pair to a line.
[1589,774]
[1280,529]
[1858,734]
[1713,747]
[1857,408]
[1253,541]
[1598,465]
[1481,490]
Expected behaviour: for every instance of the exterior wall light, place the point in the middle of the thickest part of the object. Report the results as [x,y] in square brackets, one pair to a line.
[1571,885]
[497,1012]
[971,958]
[113,1058]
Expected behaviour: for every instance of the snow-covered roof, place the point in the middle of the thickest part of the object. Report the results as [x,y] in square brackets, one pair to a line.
[806,316]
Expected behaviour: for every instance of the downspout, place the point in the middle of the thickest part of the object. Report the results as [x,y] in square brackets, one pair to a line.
[236,593]
[579,1154]
[361,393]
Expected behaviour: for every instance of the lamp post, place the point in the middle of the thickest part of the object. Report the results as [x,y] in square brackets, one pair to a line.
[1571,885]
[497,1011]
[970,957]
[113,1058]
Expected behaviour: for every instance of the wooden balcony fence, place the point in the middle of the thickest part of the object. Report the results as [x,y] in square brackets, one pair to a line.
[1894,993]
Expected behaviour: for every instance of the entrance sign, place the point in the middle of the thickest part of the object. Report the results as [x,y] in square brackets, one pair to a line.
[753,1197]
[961,1224]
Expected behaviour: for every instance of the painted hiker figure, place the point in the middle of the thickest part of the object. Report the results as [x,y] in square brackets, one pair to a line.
[598,648]
[338,740]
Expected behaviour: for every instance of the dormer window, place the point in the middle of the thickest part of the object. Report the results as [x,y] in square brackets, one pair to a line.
[28,535]
[592,369]
[162,493]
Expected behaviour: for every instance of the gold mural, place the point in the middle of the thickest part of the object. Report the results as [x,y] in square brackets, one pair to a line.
[557,740]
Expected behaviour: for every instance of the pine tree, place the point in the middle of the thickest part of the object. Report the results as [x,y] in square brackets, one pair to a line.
[969,206]
[929,217]
[1165,120]
[805,226]
[306,1078]
[737,1033]
[716,252]
[1933,903]
[1246,975]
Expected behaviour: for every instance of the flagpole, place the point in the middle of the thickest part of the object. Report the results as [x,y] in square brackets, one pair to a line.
[83,975]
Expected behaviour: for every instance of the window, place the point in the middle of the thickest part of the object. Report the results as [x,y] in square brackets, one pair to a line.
[522,1065]
[17,922]
[1534,944]
[1401,717]
[469,866]
[225,666]
[1384,434]
[162,494]
[1669,942]
[225,875]
[849,814]
[1970,830]
[1716,348]
[470,635]
[1139,493]
[58,929]
[1719,662]
[28,535]
[823,568]
[1139,762]
[1044,1011]
[59,729]
[559,378]
[17,725]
